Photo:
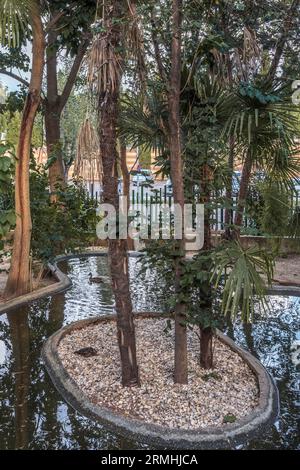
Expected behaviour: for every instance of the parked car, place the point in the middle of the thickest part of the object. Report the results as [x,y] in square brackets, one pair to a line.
[142,176]
[138,178]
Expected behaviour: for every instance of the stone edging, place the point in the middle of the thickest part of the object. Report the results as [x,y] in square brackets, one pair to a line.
[226,436]
[284,290]
[63,283]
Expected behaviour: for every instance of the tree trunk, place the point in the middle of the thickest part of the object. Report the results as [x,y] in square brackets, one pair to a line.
[126,186]
[117,248]
[18,282]
[181,370]
[206,334]
[206,350]
[243,191]
[52,117]
[56,169]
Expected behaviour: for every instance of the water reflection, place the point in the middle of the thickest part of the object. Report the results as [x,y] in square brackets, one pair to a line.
[32,413]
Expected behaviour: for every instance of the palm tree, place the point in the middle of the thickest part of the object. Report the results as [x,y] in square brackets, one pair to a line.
[106,63]
[264,125]
[15,16]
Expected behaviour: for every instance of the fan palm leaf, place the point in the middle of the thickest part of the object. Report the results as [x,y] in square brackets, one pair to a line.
[14,19]
[249,271]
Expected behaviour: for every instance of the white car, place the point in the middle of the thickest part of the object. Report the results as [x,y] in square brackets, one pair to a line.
[138,178]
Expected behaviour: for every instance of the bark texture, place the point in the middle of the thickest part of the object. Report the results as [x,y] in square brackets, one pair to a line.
[126,187]
[18,282]
[206,333]
[181,371]
[206,349]
[117,248]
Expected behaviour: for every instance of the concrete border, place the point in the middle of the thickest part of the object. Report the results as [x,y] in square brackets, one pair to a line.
[225,436]
[62,283]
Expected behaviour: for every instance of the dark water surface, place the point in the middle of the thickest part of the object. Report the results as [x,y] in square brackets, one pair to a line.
[33,414]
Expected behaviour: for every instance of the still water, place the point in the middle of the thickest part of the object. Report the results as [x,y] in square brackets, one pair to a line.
[34,416]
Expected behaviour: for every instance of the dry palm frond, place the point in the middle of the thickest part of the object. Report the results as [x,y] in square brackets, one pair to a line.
[88,162]
[104,66]
[135,42]
[247,60]
[106,56]
[251,50]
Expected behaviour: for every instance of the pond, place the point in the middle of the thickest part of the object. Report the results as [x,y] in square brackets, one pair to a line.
[34,416]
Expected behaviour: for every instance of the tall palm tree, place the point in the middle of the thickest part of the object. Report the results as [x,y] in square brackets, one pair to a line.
[106,63]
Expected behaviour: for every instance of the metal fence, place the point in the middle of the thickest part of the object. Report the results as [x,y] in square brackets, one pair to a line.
[151,199]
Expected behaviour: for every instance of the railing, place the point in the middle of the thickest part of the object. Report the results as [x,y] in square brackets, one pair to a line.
[151,199]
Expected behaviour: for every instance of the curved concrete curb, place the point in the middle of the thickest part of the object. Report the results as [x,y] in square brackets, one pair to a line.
[226,436]
[293,291]
[63,283]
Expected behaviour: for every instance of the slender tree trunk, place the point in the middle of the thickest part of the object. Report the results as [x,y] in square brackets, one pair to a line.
[206,349]
[243,191]
[117,248]
[126,186]
[18,282]
[206,334]
[52,126]
[181,370]
[52,117]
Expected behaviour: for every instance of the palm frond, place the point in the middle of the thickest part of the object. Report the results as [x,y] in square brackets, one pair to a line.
[141,124]
[88,161]
[14,19]
[249,271]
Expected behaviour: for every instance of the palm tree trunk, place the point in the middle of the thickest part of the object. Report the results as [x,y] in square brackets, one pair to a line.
[18,282]
[126,186]
[181,371]
[117,248]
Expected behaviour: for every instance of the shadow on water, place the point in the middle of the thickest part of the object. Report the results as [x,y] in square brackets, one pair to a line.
[33,414]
